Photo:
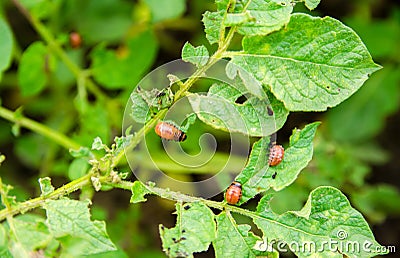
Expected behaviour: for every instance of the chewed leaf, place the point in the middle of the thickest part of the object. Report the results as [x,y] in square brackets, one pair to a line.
[195,55]
[138,192]
[258,177]
[219,110]
[241,242]
[70,217]
[45,186]
[194,230]
[261,17]
[327,220]
[313,64]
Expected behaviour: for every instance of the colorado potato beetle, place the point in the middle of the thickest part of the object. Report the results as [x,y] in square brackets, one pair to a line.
[276,153]
[169,132]
[233,193]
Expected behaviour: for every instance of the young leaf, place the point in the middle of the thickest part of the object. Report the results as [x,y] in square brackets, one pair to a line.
[78,168]
[45,186]
[261,17]
[6,45]
[70,217]
[195,55]
[81,153]
[139,190]
[35,63]
[97,144]
[212,25]
[219,110]
[327,225]
[258,177]
[313,64]
[194,230]
[236,240]
[140,109]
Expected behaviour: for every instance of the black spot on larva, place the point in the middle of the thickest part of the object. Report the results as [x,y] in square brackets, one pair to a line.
[187,207]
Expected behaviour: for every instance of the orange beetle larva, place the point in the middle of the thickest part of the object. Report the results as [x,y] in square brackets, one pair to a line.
[276,153]
[169,132]
[233,193]
[75,39]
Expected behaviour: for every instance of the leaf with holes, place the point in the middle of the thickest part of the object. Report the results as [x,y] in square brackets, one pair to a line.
[194,230]
[236,240]
[326,226]
[258,177]
[313,64]
[195,55]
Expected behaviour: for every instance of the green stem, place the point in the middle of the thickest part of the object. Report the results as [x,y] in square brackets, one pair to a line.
[180,197]
[39,128]
[39,201]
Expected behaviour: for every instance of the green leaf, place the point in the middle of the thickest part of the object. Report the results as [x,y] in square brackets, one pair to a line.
[31,232]
[236,240]
[313,64]
[45,186]
[165,9]
[140,108]
[327,220]
[116,70]
[258,177]
[219,110]
[194,230]
[195,55]
[139,190]
[212,25]
[6,45]
[261,17]
[312,4]
[70,217]
[34,67]
[78,168]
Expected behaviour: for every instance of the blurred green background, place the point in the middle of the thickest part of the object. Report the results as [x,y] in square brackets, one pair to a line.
[356,148]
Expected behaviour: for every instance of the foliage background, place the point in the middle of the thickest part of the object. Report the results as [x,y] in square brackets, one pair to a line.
[356,148]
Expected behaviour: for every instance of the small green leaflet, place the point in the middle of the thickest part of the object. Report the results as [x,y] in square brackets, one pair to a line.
[69,217]
[139,190]
[45,186]
[257,176]
[326,222]
[194,230]
[219,110]
[195,55]
[236,240]
[313,64]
